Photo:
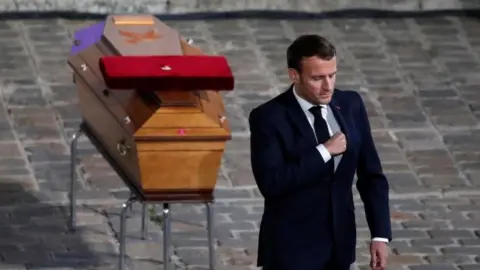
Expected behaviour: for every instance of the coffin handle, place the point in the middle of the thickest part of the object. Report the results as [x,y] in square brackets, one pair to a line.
[122,148]
[222,118]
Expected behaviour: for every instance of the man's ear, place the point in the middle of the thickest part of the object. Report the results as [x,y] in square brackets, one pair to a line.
[294,75]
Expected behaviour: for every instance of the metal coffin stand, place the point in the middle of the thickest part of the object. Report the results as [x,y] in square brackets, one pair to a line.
[136,196]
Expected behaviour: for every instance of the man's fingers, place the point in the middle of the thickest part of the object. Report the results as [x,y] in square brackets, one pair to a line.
[383,261]
[338,136]
[378,261]
[373,262]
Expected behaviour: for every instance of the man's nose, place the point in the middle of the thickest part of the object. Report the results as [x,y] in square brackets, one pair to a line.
[327,84]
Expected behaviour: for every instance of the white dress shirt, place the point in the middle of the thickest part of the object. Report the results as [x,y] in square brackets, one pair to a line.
[305,105]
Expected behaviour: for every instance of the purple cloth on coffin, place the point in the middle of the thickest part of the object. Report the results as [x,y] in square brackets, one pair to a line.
[87,37]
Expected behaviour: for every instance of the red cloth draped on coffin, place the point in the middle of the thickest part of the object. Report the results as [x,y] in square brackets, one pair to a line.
[171,72]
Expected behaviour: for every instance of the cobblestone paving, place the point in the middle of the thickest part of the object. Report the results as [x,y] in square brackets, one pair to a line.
[419,78]
[186,6]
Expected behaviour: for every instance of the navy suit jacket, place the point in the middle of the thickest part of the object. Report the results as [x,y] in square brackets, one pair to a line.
[297,231]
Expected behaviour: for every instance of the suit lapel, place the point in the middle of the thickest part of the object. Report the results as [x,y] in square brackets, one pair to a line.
[338,113]
[339,116]
[298,117]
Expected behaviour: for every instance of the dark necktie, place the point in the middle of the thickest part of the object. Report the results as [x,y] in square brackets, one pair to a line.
[320,125]
[321,130]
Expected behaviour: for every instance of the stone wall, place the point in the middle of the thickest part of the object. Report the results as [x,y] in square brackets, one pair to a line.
[187,6]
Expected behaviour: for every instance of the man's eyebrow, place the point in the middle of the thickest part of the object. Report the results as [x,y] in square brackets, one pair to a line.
[333,73]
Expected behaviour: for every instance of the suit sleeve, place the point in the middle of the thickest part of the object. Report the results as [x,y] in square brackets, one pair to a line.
[275,175]
[371,181]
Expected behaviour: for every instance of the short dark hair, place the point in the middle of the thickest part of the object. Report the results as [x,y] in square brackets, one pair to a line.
[308,46]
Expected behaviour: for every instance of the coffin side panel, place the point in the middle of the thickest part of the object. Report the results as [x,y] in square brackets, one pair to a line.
[183,166]
[182,134]
[113,138]
[180,120]
[97,86]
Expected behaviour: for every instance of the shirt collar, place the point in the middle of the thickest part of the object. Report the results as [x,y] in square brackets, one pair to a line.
[304,104]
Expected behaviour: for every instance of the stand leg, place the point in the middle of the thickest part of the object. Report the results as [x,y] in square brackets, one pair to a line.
[144,221]
[73,174]
[123,228]
[130,207]
[166,236]
[211,249]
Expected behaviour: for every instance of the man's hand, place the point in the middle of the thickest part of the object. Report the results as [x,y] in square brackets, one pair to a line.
[379,255]
[337,144]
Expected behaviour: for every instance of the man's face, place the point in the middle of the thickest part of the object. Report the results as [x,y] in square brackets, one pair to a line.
[316,80]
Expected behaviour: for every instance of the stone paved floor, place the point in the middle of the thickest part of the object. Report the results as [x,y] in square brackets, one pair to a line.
[419,78]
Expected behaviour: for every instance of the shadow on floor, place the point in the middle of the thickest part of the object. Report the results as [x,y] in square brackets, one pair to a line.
[35,235]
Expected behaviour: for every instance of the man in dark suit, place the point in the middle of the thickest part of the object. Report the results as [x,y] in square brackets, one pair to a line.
[306,146]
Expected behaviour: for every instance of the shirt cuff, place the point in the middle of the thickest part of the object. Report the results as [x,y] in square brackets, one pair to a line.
[324,152]
[379,239]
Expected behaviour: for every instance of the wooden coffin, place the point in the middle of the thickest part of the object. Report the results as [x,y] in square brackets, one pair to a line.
[167,144]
